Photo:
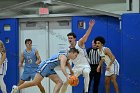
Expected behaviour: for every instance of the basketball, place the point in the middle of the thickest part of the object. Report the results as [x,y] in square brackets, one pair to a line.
[73,80]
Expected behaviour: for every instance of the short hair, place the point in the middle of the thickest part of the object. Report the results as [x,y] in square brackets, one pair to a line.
[74,50]
[99,38]
[28,40]
[71,34]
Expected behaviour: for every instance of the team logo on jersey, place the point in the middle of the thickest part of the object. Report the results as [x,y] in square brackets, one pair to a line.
[29,59]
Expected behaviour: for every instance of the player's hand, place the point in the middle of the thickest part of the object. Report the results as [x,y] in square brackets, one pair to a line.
[37,62]
[71,72]
[98,69]
[91,22]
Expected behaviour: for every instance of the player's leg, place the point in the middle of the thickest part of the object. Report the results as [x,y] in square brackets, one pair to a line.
[2,84]
[77,72]
[38,78]
[113,79]
[64,87]
[24,77]
[86,72]
[114,69]
[20,82]
[56,79]
[41,88]
[107,84]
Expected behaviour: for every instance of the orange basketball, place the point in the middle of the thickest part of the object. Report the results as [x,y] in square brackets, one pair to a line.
[73,80]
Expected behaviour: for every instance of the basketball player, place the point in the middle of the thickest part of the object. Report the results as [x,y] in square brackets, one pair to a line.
[81,63]
[3,66]
[112,65]
[31,58]
[46,69]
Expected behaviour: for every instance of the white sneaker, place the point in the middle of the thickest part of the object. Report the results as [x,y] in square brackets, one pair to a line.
[14,89]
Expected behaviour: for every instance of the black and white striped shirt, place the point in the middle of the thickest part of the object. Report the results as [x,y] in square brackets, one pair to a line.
[93,56]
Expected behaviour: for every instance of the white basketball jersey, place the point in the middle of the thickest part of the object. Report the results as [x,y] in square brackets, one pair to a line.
[114,68]
[3,67]
[82,58]
[105,57]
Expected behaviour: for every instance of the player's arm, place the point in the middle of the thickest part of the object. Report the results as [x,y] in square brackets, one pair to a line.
[63,61]
[21,60]
[111,56]
[85,37]
[3,58]
[100,64]
[38,57]
[70,68]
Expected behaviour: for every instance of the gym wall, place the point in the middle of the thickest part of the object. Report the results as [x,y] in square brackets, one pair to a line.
[9,34]
[105,26]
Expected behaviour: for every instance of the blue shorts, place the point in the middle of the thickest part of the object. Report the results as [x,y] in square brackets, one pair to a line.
[45,69]
[28,74]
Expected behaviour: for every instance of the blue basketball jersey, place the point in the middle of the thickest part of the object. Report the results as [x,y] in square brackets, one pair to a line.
[54,57]
[46,68]
[30,58]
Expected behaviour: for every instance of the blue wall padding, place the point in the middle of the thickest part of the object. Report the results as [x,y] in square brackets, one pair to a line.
[100,28]
[114,41]
[131,56]
[12,50]
[105,26]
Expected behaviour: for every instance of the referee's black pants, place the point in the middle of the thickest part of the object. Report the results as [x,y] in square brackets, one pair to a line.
[94,75]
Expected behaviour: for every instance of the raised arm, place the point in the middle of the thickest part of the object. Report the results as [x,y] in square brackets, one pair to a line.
[38,57]
[3,57]
[85,37]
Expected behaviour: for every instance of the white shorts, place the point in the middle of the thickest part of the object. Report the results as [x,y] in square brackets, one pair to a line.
[3,68]
[114,69]
[79,70]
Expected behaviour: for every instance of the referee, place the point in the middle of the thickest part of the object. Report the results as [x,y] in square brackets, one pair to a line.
[94,62]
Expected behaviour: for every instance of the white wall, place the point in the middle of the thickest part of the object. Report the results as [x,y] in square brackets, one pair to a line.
[39,35]
[136,6]
[48,37]
[58,41]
